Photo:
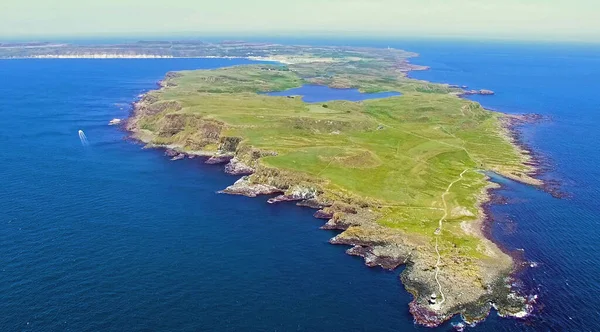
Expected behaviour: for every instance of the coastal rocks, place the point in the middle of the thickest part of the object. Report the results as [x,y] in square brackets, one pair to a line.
[458,288]
[229,144]
[283,198]
[537,163]
[218,159]
[174,155]
[321,214]
[524,308]
[462,286]
[314,203]
[171,153]
[168,80]
[172,74]
[335,224]
[343,217]
[236,167]
[482,92]
[406,67]
[424,316]
[385,256]
[298,193]
[244,187]
[388,255]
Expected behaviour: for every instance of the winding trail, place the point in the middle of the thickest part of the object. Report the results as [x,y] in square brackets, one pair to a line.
[438,231]
[444,198]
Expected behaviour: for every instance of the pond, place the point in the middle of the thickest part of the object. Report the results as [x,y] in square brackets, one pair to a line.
[321,93]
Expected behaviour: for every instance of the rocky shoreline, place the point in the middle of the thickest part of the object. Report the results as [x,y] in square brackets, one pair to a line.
[373,253]
[482,92]
[540,163]
[519,262]
[513,124]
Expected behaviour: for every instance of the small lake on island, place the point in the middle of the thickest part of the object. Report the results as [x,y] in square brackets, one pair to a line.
[321,93]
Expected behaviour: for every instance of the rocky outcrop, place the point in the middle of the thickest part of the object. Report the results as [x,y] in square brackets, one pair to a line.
[174,154]
[229,144]
[343,218]
[376,256]
[283,198]
[218,159]
[334,224]
[482,92]
[297,193]
[236,167]
[386,252]
[169,77]
[244,187]
[425,316]
[321,214]
[314,203]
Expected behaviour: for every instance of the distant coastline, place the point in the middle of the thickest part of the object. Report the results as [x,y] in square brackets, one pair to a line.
[282,60]
[96,56]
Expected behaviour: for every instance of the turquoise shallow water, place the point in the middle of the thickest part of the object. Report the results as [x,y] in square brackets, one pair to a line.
[114,237]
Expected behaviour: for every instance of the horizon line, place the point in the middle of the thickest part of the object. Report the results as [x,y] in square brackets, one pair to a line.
[200,36]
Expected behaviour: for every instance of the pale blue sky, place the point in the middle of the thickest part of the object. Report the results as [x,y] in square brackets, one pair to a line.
[511,19]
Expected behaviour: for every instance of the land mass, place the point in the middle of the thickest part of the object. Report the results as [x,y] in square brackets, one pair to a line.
[403,178]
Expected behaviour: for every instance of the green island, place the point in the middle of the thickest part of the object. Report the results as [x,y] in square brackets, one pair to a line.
[403,178]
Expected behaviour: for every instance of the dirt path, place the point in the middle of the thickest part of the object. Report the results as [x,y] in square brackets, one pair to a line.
[438,231]
[444,199]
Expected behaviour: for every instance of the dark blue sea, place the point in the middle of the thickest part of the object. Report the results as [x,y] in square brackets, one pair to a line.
[114,237]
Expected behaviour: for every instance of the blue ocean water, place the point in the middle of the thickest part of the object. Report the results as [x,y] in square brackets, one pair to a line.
[319,94]
[114,237]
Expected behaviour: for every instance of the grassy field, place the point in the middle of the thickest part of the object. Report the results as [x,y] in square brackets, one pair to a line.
[397,153]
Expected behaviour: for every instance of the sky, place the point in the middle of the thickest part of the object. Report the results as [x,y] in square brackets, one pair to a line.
[548,20]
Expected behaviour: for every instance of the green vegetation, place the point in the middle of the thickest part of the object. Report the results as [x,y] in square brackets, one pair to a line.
[256,78]
[398,153]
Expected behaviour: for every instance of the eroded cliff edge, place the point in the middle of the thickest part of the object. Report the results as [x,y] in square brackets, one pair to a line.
[401,177]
